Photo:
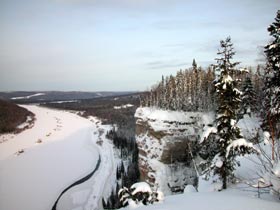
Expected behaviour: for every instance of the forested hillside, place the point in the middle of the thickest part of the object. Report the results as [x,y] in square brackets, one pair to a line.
[12,116]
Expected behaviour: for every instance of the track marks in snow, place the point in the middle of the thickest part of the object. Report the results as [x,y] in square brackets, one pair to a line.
[88,195]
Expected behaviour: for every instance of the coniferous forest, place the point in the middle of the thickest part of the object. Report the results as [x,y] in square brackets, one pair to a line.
[193,89]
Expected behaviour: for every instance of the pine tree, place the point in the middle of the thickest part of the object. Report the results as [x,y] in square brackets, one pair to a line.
[228,100]
[272,80]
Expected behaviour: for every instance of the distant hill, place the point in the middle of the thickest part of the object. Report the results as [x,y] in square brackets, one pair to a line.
[13,116]
[48,96]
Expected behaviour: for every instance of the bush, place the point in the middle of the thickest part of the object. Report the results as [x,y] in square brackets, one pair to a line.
[139,194]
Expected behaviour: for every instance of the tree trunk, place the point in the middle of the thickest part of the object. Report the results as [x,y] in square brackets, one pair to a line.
[224,174]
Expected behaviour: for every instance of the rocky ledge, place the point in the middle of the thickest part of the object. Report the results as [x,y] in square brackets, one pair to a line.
[167,141]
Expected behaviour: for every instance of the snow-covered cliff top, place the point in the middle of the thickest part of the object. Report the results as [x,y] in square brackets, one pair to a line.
[160,119]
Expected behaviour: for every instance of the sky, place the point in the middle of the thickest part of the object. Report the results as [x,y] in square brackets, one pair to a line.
[122,45]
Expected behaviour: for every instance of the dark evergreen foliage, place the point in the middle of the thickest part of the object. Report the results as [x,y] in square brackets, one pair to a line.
[228,101]
[249,98]
[189,90]
[12,115]
[125,176]
[144,197]
[193,90]
[272,80]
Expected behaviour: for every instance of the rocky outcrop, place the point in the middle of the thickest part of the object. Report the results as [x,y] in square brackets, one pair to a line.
[166,141]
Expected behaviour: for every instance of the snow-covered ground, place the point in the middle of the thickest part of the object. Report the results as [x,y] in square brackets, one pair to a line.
[37,164]
[162,120]
[213,201]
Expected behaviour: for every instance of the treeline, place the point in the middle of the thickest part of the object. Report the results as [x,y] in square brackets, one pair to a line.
[127,172]
[193,89]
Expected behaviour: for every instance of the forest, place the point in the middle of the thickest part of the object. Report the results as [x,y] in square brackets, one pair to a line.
[193,89]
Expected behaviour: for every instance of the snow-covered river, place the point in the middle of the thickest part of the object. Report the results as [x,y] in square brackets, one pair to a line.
[69,150]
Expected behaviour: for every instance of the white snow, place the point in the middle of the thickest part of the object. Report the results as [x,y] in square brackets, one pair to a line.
[275,177]
[217,161]
[189,189]
[206,132]
[140,187]
[171,120]
[69,150]
[25,124]
[249,126]
[276,169]
[225,200]
[27,97]
[238,197]
[227,79]
[238,143]
[272,46]
[243,70]
[147,113]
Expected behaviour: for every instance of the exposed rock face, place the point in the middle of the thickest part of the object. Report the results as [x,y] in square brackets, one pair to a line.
[166,141]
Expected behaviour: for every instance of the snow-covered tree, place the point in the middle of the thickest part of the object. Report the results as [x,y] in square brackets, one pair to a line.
[228,138]
[272,80]
[138,194]
[271,112]
[249,98]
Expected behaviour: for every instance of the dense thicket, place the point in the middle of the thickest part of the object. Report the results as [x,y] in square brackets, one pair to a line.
[127,172]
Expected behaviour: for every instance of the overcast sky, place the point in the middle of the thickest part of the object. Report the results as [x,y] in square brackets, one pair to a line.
[119,45]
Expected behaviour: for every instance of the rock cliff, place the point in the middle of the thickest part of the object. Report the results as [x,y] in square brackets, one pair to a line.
[167,141]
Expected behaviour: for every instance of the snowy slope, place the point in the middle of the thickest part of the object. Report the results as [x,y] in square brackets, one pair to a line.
[69,150]
[213,201]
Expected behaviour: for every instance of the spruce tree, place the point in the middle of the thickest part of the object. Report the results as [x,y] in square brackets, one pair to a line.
[249,98]
[195,85]
[272,79]
[229,140]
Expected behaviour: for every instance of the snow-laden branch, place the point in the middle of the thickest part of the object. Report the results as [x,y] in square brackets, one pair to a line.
[239,145]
